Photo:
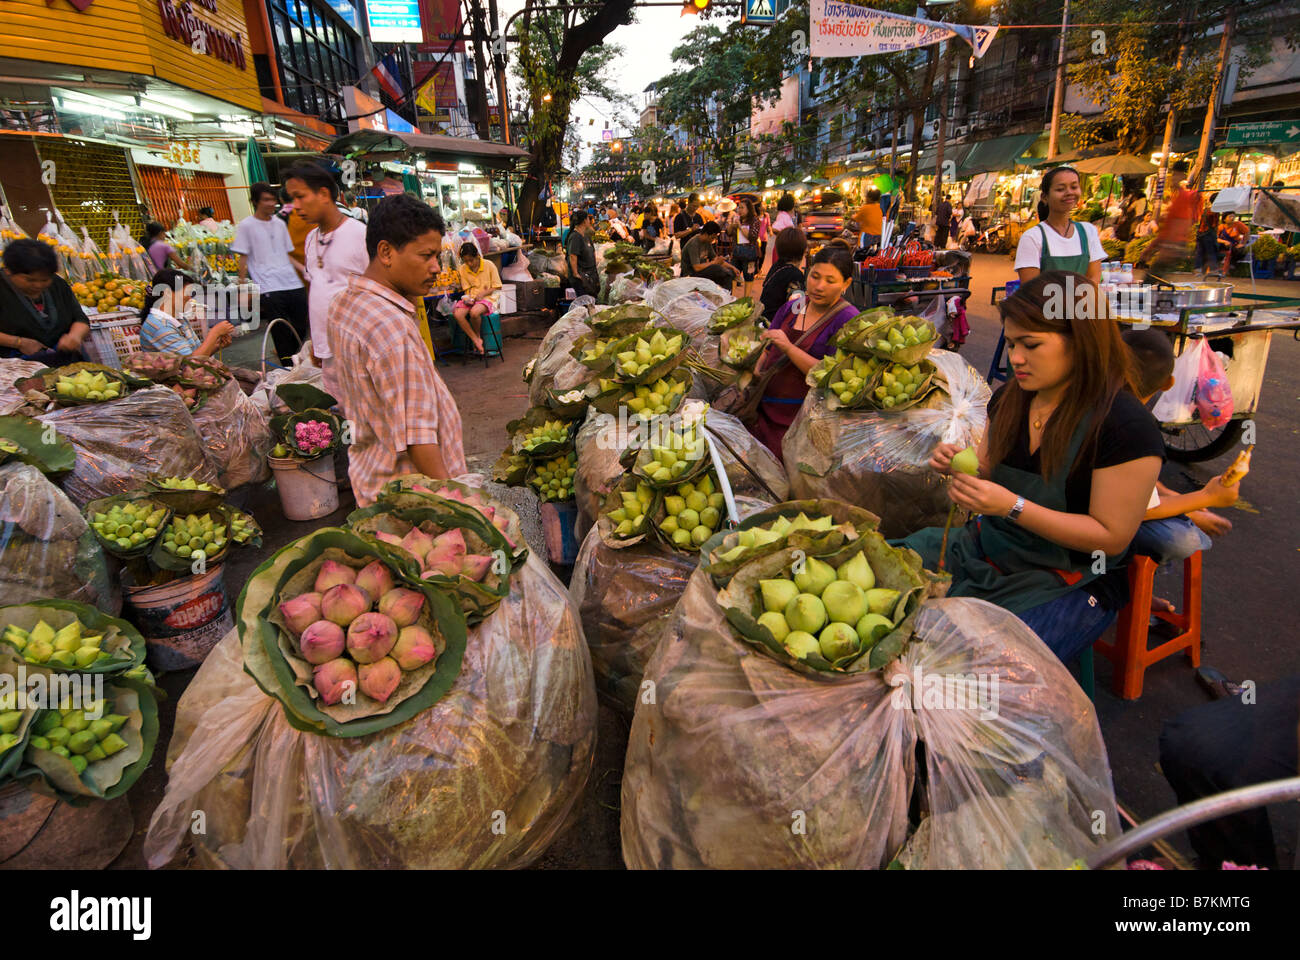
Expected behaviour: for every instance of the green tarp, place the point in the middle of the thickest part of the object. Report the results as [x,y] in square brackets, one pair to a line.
[1000,153]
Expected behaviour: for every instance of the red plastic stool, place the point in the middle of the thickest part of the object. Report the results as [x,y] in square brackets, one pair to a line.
[1129,654]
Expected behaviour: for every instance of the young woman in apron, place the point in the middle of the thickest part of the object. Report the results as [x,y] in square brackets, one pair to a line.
[797,340]
[1066,471]
[1060,193]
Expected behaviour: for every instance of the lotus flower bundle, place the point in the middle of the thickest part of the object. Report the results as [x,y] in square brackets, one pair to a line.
[313,436]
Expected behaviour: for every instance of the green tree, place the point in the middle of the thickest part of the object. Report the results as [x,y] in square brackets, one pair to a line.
[561,57]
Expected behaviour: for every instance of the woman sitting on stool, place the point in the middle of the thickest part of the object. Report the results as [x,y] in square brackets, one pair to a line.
[482,285]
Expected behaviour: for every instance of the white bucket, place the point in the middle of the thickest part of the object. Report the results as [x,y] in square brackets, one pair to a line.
[308,489]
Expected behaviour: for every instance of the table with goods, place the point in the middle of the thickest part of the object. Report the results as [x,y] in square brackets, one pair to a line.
[412,685]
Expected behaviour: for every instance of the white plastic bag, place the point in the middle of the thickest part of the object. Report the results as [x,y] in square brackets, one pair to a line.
[517,272]
[1178,403]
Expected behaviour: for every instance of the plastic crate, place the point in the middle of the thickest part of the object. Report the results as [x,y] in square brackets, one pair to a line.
[111,341]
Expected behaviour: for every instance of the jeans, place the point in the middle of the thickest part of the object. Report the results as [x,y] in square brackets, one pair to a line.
[718,274]
[290,305]
[1228,744]
[1069,624]
[1169,540]
[1207,252]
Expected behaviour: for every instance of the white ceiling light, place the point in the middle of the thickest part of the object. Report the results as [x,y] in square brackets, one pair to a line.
[149,104]
[281,140]
[77,96]
[80,103]
[173,102]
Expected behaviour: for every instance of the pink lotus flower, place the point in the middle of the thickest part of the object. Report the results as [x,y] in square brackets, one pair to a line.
[313,436]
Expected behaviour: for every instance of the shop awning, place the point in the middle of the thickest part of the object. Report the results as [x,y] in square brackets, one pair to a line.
[1000,153]
[377,143]
[952,151]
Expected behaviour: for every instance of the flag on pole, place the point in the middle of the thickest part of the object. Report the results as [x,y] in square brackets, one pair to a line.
[385,73]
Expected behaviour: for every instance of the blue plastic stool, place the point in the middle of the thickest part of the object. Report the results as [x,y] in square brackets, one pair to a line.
[998,368]
[491,333]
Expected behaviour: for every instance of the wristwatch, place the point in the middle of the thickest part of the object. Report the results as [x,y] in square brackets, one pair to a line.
[1015,511]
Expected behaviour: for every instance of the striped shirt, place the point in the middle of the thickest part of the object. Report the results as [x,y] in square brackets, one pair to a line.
[389,387]
[163,333]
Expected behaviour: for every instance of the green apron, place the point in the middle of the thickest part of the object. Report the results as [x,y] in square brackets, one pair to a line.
[996,559]
[1074,263]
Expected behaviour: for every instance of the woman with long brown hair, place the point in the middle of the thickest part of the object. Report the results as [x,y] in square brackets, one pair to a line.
[1066,470]
[745,251]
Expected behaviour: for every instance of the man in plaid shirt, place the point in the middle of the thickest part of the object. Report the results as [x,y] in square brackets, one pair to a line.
[404,418]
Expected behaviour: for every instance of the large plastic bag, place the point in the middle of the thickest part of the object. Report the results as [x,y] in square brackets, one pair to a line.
[302,371]
[486,777]
[121,443]
[878,459]
[46,548]
[1213,392]
[237,437]
[626,288]
[11,401]
[624,596]
[751,468]
[688,303]
[552,366]
[736,761]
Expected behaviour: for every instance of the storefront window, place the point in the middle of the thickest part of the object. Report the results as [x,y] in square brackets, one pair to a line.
[316,53]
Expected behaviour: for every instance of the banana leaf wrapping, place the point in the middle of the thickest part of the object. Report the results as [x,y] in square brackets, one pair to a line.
[486,777]
[879,459]
[744,339]
[840,542]
[395,514]
[108,544]
[553,368]
[44,382]
[121,444]
[624,592]
[46,547]
[640,528]
[852,332]
[122,640]
[12,758]
[164,559]
[460,496]
[24,439]
[158,366]
[47,773]
[895,570]
[597,365]
[656,369]
[898,354]
[573,408]
[737,762]
[729,315]
[511,468]
[236,435]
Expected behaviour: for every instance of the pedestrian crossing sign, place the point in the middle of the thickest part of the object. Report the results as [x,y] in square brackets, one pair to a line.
[762,11]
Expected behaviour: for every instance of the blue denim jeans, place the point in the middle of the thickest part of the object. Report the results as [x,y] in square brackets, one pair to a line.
[1169,540]
[1069,624]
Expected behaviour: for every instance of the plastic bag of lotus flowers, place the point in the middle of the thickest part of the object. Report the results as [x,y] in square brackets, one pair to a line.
[484,776]
[552,366]
[236,435]
[738,761]
[121,444]
[879,459]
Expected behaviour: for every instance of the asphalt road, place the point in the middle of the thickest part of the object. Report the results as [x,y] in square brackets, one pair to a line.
[1248,594]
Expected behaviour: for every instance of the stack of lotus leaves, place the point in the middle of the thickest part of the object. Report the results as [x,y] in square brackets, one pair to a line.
[553,479]
[692,513]
[359,631]
[815,583]
[639,353]
[129,525]
[673,453]
[192,534]
[70,647]
[81,736]
[84,385]
[730,314]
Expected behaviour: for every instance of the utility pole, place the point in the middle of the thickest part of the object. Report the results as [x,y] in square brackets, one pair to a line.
[1171,120]
[1058,99]
[480,71]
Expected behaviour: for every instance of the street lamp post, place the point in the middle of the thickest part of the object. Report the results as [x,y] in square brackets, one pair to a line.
[1058,99]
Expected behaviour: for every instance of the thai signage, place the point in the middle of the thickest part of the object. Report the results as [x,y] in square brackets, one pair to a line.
[180,23]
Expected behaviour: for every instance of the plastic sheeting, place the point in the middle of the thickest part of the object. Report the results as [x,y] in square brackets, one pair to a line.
[11,401]
[121,443]
[236,435]
[47,551]
[626,288]
[553,367]
[486,777]
[737,762]
[624,596]
[687,303]
[878,459]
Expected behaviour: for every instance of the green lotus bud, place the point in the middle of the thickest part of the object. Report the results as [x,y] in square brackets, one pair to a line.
[814,578]
[800,644]
[117,720]
[9,720]
[7,740]
[63,658]
[95,753]
[101,728]
[85,656]
[62,751]
[75,721]
[775,624]
[111,744]
[838,640]
[858,571]
[47,723]
[872,627]
[79,764]
[777,594]
[882,601]
[845,602]
[81,742]
[40,743]
[966,461]
[709,517]
[806,612]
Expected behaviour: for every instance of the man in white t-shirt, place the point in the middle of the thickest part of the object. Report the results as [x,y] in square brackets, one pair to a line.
[335,252]
[263,247]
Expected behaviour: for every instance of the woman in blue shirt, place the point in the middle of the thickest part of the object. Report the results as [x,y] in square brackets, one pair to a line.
[162,324]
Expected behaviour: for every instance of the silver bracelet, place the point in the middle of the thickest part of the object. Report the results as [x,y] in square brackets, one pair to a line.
[1014,513]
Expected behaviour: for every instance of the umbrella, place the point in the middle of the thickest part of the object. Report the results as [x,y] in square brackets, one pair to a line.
[1118,164]
[411,184]
[256,165]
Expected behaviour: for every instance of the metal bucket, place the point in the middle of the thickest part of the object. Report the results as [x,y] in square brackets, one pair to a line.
[1171,298]
[308,489]
[181,620]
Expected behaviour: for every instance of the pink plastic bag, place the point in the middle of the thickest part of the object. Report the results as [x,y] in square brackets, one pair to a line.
[1213,393]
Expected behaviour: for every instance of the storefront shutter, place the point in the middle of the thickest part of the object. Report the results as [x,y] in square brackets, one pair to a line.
[92,181]
[172,193]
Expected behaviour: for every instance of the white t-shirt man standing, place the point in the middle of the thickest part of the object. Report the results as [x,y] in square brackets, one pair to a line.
[334,253]
[263,247]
